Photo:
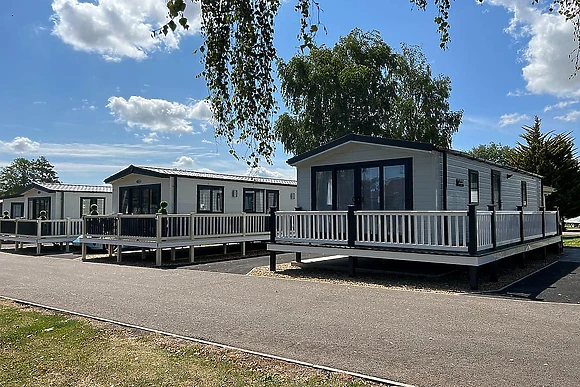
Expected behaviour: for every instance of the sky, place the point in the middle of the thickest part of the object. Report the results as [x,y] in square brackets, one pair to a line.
[84,84]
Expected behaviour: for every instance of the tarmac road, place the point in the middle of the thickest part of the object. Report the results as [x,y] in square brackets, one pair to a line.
[418,338]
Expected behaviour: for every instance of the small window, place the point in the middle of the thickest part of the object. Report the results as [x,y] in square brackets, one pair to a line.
[210,199]
[254,200]
[272,200]
[473,187]
[86,204]
[17,210]
[524,194]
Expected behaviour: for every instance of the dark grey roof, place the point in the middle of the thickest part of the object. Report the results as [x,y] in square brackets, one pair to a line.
[396,143]
[167,172]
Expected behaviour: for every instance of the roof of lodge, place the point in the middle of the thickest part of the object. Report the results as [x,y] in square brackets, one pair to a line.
[61,187]
[168,172]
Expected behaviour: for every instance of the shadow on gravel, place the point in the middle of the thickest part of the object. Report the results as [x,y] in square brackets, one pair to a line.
[559,282]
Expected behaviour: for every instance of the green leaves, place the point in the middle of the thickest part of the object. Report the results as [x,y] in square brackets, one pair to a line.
[21,172]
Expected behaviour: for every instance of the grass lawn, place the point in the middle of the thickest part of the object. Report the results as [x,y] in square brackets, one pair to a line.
[571,241]
[40,348]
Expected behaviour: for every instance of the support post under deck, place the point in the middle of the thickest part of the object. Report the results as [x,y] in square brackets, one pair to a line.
[158,253]
[493,271]
[84,251]
[191,254]
[473,277]
[298,257]
[119,253]
[352,264]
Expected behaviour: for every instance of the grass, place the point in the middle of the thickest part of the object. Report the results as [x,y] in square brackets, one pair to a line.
[40,348]
[571,241]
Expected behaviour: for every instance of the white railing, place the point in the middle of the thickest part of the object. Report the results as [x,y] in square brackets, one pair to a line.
[40,228]
[507,226]
[532,225]
[484,230]
[312,226]
[412,229]
[174,226]
[551,223]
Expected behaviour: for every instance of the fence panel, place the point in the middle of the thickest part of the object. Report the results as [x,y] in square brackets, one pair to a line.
[507,227]
[312,226]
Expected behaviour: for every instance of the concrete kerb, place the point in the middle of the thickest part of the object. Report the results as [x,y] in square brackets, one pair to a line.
[206,342]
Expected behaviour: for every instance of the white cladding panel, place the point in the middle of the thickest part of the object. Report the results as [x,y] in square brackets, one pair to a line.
[427,180]
[7,204]
[457,196]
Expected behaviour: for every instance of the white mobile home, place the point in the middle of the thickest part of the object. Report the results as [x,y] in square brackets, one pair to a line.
[140,189]
[60,201]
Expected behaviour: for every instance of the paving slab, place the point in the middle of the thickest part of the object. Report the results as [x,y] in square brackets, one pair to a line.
[420,338]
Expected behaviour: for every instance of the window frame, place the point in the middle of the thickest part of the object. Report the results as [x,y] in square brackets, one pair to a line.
[31,203]
[473,172]
[91,198]
[211,188]
[14,204]
[254,191]
[524,193]
[267,206]
[130,189]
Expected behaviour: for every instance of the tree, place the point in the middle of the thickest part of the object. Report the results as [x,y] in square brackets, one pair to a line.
[554,157]
[496,153]
[22,172]
[361,86]
[238,51]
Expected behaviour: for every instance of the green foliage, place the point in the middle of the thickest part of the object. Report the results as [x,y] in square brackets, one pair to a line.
[497,153]
[94,209]
[554,157]
[162,208]
[22,172]
[5,215]
[361,86]
[238,51]
[42,215]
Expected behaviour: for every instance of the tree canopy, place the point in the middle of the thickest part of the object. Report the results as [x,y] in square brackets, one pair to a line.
[362,86]
[496,153]
[554,157]
[238,52]
[22,172]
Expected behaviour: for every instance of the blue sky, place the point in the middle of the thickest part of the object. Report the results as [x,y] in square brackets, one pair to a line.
[94,94]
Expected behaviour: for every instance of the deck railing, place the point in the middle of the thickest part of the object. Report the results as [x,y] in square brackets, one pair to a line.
[39,229]
[431,230]
[174,226]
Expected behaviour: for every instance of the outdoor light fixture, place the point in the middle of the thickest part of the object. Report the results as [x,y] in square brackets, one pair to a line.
[235,193]
[508,175]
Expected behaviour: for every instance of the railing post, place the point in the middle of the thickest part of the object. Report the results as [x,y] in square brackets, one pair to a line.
[119,246]
[350,226]
[543,209]
[272,237]
[472,218]
[192,236]
[38,236]
[296,228]
[16,228]
[158,235]
[521,210]
[491,207]
[244,220]
[559,228]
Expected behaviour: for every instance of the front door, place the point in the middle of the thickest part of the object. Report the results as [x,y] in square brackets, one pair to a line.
[378,186]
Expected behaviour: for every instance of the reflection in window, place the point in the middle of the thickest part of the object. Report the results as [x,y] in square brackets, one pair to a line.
[210,199]
[344,188]
[86,204]
[253,200]
[139,199]
[323,190]
[473,187]
[370,189]
[394,187]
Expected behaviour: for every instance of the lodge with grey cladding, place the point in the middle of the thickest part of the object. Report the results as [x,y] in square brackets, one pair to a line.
[361,196]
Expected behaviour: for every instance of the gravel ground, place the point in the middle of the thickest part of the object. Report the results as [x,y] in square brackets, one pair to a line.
[457,281]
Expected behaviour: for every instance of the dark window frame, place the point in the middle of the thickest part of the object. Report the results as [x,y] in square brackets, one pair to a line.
[90,198]
[406,161]
[267,205]
[253,210]
[524,193]
[473,172]
[14,204]
[31,205]
[211,188]
[495,201]
[130,189]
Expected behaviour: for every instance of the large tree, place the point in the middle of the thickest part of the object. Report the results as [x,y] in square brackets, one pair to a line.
[362,86]
[21,172]
[238,52]
[496,153]
[554,157]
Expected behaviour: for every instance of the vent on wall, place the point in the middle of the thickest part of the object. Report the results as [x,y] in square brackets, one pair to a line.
[292,195]
[235,193]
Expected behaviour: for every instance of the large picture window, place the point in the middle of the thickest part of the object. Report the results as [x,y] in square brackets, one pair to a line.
[473,187]
[16,210]
[210,199]
[86,204]
[36,205]
[143,199]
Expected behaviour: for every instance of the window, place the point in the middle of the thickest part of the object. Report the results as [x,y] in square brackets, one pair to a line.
[254,200]
[36,205]
[143,199]
[86,204]
[323,191]
[394,187]
[210,199]
[524,193]
[272,199]
[16,210]
[496,189]
[473,187]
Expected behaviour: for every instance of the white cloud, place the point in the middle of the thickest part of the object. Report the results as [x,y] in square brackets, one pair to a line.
[571,116]
[118,29]
[518,93]
[39,103]
[150,138]
[184,162]
[560,105]
[19,145]
[548,66]
[263,172]
[158,115]
[204,141]
[510,119]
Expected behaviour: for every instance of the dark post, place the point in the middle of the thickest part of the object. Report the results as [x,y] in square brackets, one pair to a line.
[493,271]
[272,237]
[351,221]
[298,254]
[491,207]
[352,263]
[543,209]
[473,277]
[521,210]
[560,228]
[472,217]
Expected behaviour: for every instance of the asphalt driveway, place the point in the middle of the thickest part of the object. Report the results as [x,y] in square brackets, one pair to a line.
[418,338]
